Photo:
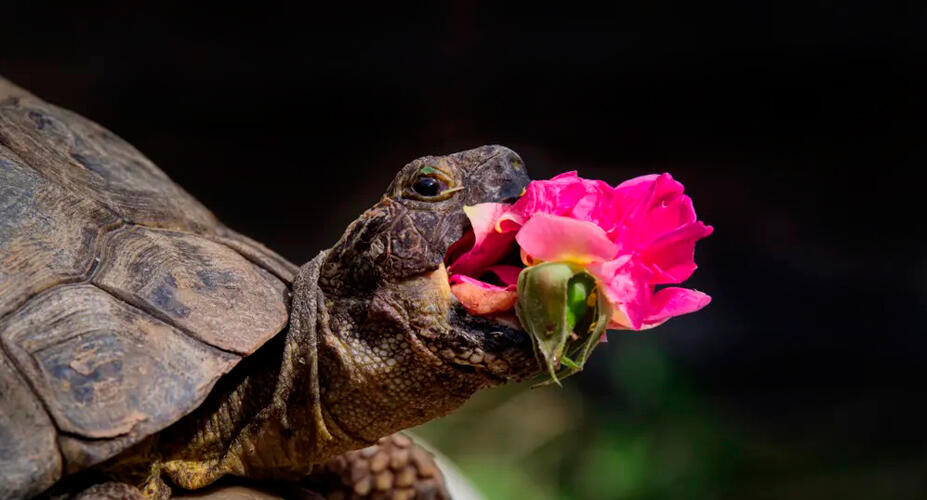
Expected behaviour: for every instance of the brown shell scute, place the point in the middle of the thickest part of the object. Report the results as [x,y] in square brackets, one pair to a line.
[97,165]
[29,458]
[122,299]
[48,234]
[200,286]
[103,368]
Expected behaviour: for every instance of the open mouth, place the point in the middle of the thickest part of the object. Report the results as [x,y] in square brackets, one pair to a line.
[460,247]
[494,343]
[484,280]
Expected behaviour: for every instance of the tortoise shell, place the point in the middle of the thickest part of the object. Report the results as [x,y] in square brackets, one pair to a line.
[122,299]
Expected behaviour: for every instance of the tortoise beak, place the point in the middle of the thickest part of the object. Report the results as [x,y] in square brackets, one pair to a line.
[501,177]
[498,345]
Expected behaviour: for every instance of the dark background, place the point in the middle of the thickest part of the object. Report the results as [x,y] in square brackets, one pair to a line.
[798,131]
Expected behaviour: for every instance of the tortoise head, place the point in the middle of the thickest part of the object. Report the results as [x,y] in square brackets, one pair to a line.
[403,349]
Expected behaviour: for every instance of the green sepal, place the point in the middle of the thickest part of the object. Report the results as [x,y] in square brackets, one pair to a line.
[585,331]
[581,285]
[569,363]
[580,350]
[554,308]
[542,310]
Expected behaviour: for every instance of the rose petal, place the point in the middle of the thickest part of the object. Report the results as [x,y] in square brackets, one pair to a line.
[526,259]
[556,196]
[569,195]
[459,247]
[481,298]
[552,237]
[672,256]
[674,301]
[489,245]
[598,204]
[544,196]
[637,186]
[670,212]
[483,218]
[650,208]
[625,285]
[619,320]
[508,274]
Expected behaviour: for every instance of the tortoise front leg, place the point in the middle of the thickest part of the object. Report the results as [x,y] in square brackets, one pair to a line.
[395,468]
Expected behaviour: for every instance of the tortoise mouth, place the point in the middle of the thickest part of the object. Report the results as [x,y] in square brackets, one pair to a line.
[511,258]
[463,245]
[484,281]
[492,346]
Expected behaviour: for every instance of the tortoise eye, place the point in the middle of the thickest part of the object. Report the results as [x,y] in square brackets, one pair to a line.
[431,184]
[428,186]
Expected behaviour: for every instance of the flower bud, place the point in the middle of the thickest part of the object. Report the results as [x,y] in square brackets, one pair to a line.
[554,308]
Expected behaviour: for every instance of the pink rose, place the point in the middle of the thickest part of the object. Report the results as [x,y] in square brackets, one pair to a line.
[630,238]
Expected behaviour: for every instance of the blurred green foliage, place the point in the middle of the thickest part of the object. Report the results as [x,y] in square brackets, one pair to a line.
[636,428]
[654,441]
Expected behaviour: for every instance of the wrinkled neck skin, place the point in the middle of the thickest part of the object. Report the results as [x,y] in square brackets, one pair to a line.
[379,364]
[361,368]
[352,370]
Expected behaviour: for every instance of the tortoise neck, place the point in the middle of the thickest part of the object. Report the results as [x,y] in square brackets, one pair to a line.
[293,431]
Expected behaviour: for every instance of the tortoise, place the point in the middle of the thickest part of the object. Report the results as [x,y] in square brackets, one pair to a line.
[148,349]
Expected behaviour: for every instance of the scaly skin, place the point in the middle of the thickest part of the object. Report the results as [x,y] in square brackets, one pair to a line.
[376,343]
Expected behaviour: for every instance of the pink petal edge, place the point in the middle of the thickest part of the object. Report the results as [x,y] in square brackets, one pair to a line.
[552,237]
